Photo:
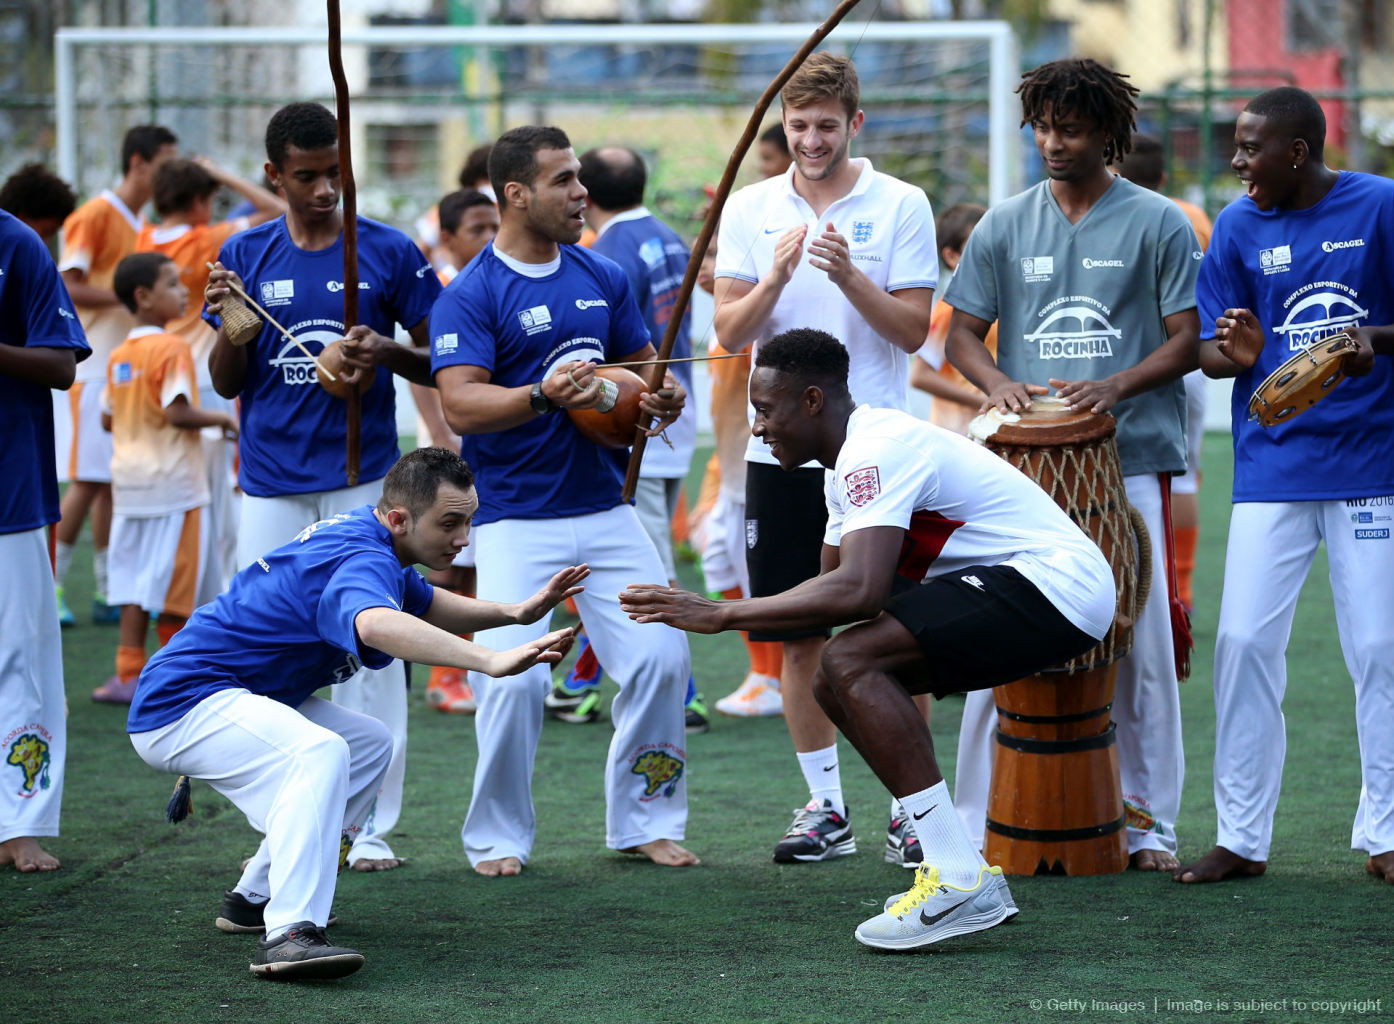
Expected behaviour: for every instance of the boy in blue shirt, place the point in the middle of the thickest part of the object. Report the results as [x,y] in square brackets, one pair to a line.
[230,698]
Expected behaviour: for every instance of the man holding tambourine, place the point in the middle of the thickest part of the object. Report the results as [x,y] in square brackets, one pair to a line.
[1304,257]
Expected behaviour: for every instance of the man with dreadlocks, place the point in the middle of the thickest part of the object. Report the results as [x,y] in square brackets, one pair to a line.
[1092,281]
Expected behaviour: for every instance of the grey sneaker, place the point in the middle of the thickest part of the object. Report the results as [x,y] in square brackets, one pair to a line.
[817,833]
[240,916]
[933,910]
[304,952]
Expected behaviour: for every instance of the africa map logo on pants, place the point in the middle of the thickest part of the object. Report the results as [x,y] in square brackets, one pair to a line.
[29,753]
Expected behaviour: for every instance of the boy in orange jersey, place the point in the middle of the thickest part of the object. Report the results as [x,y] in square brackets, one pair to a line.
[183,194]
[160,547]
[956,399]
[95,239]
[469,220]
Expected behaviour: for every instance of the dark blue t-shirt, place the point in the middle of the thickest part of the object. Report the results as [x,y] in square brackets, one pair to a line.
[286,625]
[35,312]
[293,430]
[1308,274]
[519,328]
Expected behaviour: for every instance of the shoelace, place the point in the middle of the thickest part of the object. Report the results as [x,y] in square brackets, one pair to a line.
[927,885]
[808,817]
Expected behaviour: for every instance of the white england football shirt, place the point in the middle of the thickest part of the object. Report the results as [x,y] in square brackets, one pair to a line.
[961,505]
[890,232]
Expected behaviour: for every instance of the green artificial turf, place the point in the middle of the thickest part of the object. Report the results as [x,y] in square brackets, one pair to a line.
[124,932]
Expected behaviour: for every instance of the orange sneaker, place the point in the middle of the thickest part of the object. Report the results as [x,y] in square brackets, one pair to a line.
[448,690]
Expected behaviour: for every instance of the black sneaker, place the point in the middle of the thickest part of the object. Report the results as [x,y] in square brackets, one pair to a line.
[304,952]
[574,708]
[240,916]
[695,715]
[818,833]
[902,845]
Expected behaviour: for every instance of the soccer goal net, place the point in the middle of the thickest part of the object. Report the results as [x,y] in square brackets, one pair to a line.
[939,99]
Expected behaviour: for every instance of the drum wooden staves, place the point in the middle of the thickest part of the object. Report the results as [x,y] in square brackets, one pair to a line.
[1056,804]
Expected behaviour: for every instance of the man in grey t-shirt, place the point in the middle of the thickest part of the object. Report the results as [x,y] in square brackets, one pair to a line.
[1092,282]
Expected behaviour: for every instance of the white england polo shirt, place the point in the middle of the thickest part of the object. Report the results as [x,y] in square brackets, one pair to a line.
[890,232]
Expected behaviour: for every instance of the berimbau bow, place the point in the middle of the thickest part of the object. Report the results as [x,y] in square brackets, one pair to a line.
[349,192]
[699,247]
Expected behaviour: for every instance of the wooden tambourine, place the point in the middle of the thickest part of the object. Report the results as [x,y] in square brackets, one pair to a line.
[612,421]
[1302,381]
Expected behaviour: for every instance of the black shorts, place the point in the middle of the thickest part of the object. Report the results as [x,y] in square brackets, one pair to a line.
[983,626]
[785,519]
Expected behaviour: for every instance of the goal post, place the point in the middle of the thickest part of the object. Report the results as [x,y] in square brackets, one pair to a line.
[942,110]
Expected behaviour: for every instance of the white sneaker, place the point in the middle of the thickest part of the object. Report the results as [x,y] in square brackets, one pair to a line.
[757,697]
[933,910]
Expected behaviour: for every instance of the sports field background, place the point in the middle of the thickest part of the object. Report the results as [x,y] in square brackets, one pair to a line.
[124,932]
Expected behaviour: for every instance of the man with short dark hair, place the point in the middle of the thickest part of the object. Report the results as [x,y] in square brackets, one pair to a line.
[96,237]
[654,259]
[230,699]
[39,198]
[292,442]
[1304,256]
[515,341]
[925,608]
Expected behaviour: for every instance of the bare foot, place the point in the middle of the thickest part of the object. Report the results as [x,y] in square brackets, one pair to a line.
[1382,866]
[665,852]
[1153,860]
[25,853]
[383,864]
[1218,865]
[499,867]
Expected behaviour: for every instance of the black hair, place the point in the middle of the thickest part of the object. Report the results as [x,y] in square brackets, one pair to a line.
[808,355]
[514,156]
[956,223]
[775,136]
[145,140]
[138,270]
[451,209]
[178,184]
[1084,87]
[476,167]
[35,193]
[415,480]
[614,184]
[1295,112]
[305,126]
[1145,164]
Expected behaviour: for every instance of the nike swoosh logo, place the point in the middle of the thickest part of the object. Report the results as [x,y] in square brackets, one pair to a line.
[830,768]
[923,813]
[926,919]
[770,231]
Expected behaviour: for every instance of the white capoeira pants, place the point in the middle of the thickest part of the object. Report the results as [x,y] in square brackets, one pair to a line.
[267,523]
[305,777]
[646,769]
[1271,546]
[33,723]
[1146,710]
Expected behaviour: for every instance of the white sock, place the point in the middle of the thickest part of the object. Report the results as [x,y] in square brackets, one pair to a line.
[941,835]
[248,895]
[99,572]
[824,780]
[62,559]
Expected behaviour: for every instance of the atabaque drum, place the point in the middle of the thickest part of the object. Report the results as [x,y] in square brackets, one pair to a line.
[1056,804]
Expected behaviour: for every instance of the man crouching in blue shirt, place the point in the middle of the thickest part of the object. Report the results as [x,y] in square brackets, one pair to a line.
[230,699]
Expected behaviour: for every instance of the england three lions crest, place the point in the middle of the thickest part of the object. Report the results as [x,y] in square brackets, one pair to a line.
[861,231]
[863,485]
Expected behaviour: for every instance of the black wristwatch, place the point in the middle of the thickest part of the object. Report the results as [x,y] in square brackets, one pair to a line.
[540,403]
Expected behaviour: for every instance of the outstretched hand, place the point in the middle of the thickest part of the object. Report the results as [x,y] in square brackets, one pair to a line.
[561,586]
[1239,337]
[650,602]
[545,650]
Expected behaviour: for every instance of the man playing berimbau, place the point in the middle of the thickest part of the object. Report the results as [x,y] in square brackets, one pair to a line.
[231,698]
[935,549]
